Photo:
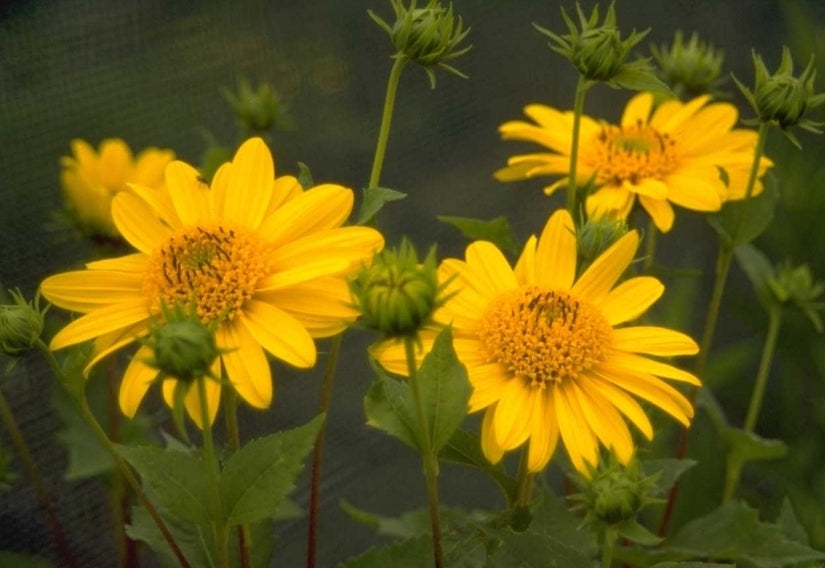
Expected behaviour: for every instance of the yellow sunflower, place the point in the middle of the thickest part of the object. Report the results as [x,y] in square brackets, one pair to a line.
[263,260]
[546,352]
[670,155]
[91,180]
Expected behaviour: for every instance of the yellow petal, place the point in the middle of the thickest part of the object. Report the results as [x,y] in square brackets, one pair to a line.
[249,187]
[616,202]
[139,223]
[115,160]
[489,267]
[556,252]
[110,342]
[637,110]
[630,299]
[245,364]
[669,117]
[101,321]
[489,381]
[88,290]
[130,263]
[136,381]
[279,333]
[160,201]
[577,436]
[192,402]
[649,187]
[694,192]
[525,269]
[189,193]
[602,274]
[356,244]
[545,433]
[653,341]
[653,390]
[322,306]
[218,189]
[511,422]
[605,422]
[628,362]
[321,208]
[621,400]
[492,451]
[284,188]
[660,211]
[303,273]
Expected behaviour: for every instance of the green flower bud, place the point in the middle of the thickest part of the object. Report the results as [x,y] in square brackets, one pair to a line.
[184,348]
[782,99]
[596,235]
[258,110]
[429,36]
[395,294]
[795,285]
[21,324]
[690,68]
[599,54]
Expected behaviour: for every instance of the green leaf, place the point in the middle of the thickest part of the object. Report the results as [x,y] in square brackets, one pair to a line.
[14,560]
[634,532]
[411,553]
[388,406]
[305,176]
[758,211]
[445,390]
[86,455]
[688,565]
[669,470]
[734,532]
[533,549]
[790,525]
[497,231]
[407,525]
[374,199]
[260,475]
[759,270]
[551,517]
[177,480]
[638,76]
[747,446]
[464,448]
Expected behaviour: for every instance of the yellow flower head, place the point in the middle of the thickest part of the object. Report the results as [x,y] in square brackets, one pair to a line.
[91,180]
[670,155]
[546,352]
[264,262]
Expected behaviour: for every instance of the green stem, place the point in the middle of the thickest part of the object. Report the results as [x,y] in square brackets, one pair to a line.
[126,550]
[428,456]
[610,537]
[386,120]
[123,468]
[219,527]
[29,465]
[318,451]
[735,462]
[524,481]
[234,439]
[578,110]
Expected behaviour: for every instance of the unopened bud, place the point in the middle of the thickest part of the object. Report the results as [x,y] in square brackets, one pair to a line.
[690,68]
[21,324]
[184,348]
[596,236]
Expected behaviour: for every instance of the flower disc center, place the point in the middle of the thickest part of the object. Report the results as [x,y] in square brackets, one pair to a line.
[631,153]
[544,336]
[215,268]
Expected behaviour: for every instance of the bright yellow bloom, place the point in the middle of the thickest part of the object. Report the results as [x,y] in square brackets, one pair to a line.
[546,353]
[263,260]
[91,180]
[670,155]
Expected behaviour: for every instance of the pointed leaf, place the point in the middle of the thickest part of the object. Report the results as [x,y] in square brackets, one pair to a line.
[758,214]
[497,231]
[177,480]
[464,448]
[747,446]
[634,532]
[260,475]
[374,199]
[669,470]
[790,525]
[759,270]
[389,406]
[532,549]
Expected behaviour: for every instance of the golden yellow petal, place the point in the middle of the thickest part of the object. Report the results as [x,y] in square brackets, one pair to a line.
[284,188]
[318,305]
[556,252]
[465,280]
[321,208]
[670,117]
[511,422]
[702,132]
[603,273]
[249,187]
[653,390]
[303,273]
[130,263]
[694,192]
[159,200]
[620,400]
[218,189]
[88,290]
[189,193]
[279,333]
[576,434]
[150,165]
[605,422]
[492,451]
[192,402]
[647,187]
[356,244]
[108,343]
[391,354]
[101,321]
[245,363]
[116,161]
[489,381]
[630,299]
[637,110]
[628,362]
[660,211]
[525,269]
[653,341]
[545,433]
[489,267]
[615,202]
[138,222]
[136,381]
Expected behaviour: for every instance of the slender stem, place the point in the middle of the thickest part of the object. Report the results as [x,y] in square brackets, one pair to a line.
[318,451]
[126,549]
[386,120]
[650,246]
[524,481]
[28,463]
[723,262]
[607,550]
[429,458]
[123,468]
[578,110]
[735,462]
[234,438]
[218,528]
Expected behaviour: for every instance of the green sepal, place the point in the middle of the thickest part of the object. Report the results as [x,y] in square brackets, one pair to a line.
[305,176]
[373,200]
[497,231]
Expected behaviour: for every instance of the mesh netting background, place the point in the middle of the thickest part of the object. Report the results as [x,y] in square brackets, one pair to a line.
[151,72]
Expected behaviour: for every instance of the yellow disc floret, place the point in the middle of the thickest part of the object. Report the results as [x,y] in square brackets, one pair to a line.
[631,153]
[545,336]
[215,268]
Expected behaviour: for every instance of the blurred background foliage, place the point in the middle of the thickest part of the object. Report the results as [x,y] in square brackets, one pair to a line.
[154,73]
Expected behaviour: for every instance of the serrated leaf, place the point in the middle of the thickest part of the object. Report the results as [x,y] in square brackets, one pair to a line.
[411,553]
[261,474]
[373,200]
[551,517]
[497,231]
[388,407]
[790,525]
[445,390]
[747,446]
[758,212]
[533,549]
[464,448]
[734,532]
[669,470]
[759,270]
[177,480]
